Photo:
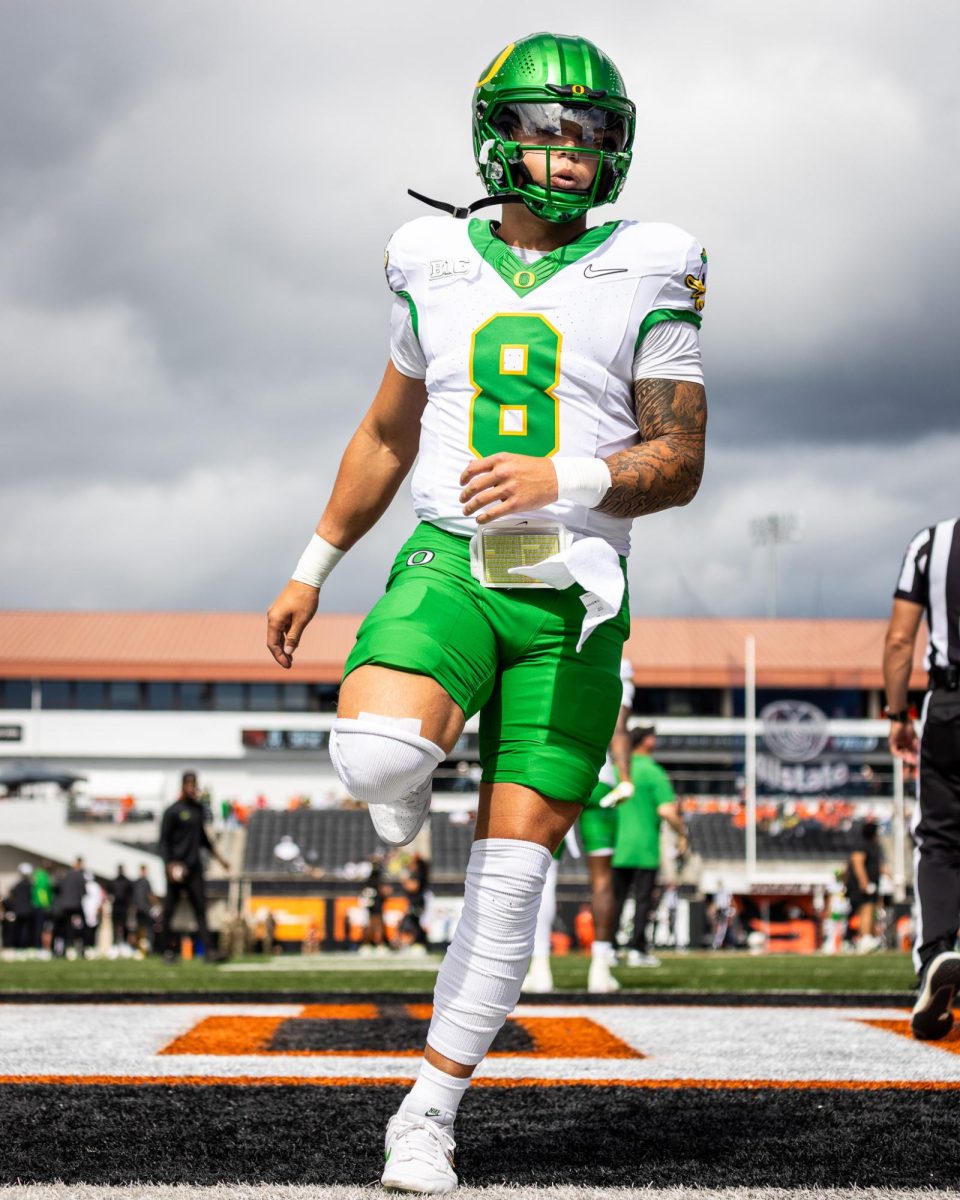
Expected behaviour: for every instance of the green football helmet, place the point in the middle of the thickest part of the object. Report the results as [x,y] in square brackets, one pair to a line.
[552,94]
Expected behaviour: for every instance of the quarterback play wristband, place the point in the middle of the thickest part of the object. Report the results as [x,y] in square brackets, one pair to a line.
[316,562]
[582,480]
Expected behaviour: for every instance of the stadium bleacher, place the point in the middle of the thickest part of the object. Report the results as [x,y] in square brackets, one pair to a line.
[717,836]
[329,838]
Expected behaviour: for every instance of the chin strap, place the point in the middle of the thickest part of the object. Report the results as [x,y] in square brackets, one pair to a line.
[463,213]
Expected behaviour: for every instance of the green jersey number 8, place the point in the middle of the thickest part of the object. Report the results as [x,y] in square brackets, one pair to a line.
[514,368]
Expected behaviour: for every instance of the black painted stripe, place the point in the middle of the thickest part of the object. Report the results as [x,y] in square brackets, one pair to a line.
[526,1135]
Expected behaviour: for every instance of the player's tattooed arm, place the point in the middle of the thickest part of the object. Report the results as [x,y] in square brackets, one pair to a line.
[665,468]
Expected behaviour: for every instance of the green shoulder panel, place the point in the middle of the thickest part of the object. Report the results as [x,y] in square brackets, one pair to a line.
[665,314]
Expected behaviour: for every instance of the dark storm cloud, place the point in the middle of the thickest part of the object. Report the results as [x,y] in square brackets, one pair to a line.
[193,316]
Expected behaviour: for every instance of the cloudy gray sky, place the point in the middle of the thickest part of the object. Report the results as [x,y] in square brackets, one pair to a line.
[194,198]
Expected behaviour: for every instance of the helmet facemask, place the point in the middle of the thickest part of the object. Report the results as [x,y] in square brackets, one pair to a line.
[561,133]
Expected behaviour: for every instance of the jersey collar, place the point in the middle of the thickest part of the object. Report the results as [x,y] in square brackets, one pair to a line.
[525,277]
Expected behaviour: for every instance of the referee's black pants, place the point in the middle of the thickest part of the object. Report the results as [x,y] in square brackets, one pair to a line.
[936,829]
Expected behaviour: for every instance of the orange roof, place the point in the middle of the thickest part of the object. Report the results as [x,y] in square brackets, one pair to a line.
[665,651]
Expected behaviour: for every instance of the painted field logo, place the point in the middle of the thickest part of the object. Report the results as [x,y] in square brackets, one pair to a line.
[420,558]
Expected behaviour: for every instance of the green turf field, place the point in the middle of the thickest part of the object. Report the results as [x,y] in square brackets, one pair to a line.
[693,972]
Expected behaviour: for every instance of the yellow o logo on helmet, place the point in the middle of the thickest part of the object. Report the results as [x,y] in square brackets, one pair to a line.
[578,89]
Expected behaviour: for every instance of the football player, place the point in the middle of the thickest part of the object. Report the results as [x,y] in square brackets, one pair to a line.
[546,378]
[598,832]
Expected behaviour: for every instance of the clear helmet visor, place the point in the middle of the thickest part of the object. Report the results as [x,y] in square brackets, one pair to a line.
[582,127]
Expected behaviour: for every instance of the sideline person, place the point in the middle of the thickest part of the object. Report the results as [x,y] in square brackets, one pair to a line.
[929,584]
[183,838]
[546,378]
[636,856]
[864,868]
[598,833]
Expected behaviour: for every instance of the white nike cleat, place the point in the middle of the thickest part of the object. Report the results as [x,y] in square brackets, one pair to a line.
[418,1156]
[599,978]
[399,823]
[539,977]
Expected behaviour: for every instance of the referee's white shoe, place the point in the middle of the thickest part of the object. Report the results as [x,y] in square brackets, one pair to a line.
[418,1156]
[932,1017]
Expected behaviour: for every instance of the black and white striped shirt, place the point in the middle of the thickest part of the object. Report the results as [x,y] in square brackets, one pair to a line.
[931,576]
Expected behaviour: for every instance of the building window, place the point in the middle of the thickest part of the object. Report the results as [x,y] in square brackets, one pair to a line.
[15,693]
[161,695]
[263,697]
[194,697]
[295,697]
[55,693]
[123,694]
[228,697]
[89,693]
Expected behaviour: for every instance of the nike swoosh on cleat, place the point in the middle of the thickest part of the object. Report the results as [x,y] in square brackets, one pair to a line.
[591,272]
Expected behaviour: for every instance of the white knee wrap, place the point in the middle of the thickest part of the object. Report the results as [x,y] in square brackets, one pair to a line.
[480,977]
[380,762]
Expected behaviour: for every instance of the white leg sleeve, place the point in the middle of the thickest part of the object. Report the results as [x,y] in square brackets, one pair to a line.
[379,761]
[479,981]
[548,912]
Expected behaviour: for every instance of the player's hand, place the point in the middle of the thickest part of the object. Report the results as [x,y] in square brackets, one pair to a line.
[287,618]
[507,483]
[903,741]
[623,791]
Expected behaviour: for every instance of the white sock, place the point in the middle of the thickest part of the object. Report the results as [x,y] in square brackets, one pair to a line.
[547,913]
[479,981]
[601,950]
[435,1094]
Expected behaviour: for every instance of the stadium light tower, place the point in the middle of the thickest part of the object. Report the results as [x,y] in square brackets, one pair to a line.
[773,531]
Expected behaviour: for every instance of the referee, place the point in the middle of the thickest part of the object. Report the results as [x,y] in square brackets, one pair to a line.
[930,583]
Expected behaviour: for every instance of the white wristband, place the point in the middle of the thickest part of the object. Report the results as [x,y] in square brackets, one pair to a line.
[582,480]
[316,562]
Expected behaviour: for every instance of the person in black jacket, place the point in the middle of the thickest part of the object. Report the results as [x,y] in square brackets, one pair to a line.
[20,905]
[182,840]
[121,890]
[70,893]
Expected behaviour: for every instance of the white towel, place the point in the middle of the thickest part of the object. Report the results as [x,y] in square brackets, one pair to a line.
[595,566]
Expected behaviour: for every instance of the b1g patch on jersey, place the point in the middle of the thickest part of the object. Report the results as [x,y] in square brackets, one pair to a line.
[441,268]
[698,283]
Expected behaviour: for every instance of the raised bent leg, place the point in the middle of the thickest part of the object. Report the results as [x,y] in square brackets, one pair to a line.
[393,729]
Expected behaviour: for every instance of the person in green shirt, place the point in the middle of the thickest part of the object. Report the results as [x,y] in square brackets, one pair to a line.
[636,855]
[41,898]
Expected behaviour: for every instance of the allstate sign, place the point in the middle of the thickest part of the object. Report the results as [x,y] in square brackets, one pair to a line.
[794,730]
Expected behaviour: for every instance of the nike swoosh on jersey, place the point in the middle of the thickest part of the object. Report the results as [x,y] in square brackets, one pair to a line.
[591,272]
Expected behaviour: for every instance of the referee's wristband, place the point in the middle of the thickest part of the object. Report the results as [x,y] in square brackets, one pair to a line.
[582,480]
[900,717]
[316,562]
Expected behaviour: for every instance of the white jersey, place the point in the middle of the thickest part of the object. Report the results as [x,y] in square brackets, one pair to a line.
[532,357]
[608,772]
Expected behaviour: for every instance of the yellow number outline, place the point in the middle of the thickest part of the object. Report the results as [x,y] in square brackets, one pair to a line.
[550,391]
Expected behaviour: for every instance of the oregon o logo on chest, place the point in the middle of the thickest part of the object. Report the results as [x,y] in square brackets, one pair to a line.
[420,558]
[524,279]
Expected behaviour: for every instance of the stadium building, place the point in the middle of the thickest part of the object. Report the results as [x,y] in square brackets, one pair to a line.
[126,701]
